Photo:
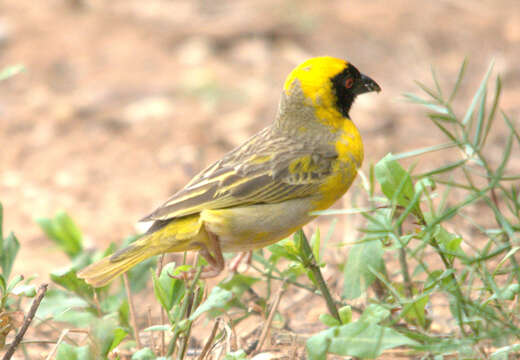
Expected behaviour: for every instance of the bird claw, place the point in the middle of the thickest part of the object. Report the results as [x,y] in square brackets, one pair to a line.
[216,261]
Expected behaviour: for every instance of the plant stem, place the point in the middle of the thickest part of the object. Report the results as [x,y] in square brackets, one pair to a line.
[131,307]
[404,267]
[310,263]
[160,262]
[270,318]
[184,310]
[28,319]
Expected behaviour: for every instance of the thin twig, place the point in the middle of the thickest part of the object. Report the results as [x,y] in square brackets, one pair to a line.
[152,338]
[270,318]
[209,341]
[160,262]
[132,310]
[294,353]
[233,339]
[98,305]
[48,322]
[55,347]
[63,335]
[36,342]
[27,321]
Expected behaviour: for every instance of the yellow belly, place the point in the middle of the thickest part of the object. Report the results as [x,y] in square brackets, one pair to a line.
[255,226]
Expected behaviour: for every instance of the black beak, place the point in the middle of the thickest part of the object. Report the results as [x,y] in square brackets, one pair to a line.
[365,85]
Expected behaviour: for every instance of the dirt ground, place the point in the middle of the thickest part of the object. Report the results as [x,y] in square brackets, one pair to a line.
[123,101]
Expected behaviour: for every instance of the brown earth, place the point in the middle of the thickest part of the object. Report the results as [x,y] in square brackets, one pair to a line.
[122,102]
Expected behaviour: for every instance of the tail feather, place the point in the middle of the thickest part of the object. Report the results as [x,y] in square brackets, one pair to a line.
[177,235]
[102,272]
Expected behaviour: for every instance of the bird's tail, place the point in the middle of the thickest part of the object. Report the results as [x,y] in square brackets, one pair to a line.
[174,237]
[102,272]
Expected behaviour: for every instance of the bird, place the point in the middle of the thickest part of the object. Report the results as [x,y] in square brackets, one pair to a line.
[268,187]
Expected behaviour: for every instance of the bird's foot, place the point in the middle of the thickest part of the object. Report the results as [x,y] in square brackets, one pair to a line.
[215,261]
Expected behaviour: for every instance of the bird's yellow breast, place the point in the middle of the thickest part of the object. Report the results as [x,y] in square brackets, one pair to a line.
[349,148]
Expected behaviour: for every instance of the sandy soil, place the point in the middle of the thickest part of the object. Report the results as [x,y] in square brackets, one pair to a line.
[123,101]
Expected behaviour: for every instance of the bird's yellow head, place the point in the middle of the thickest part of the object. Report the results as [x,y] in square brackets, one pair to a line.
[328,84]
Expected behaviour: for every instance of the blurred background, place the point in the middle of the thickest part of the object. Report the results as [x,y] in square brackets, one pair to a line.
[122,101]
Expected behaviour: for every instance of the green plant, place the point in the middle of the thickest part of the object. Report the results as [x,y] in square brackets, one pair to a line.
[13,290]
[446,235]
[477,275]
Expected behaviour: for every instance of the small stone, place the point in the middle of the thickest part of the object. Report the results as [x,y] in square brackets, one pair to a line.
[148,108]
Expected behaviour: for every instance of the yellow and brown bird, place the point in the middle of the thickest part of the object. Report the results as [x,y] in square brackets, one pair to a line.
[267,188]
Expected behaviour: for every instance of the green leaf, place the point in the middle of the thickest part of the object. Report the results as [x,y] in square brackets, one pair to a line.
[217,299]
[423,150]
[76,317]
[63,306]
[423,184]
[480,92]
[107,335]
[123,313]
[58,301]
[3,285]
[158,328]
[315,244]
[119,335]
[415,311]
[358,339]
[449,243]
[15,281]
[374,313]
[345,314]
[69,352]
[238,284]
[460,76]
[329,320]
[66,352]
[167,290]
[362,257]
[507,293]
[417,100]
[459,346]
[71,233]
[285,249]
[237,355]
[9,72]
[64,232]
[504,353]
[11,245]
[442,278]
[480,119]
[494,106]
[25,290]
[396,182]
[144,354]
[69,280]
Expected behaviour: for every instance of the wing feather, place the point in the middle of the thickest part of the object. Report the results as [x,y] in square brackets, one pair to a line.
[266,170]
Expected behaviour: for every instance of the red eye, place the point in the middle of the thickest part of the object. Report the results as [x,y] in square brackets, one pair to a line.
[349,82]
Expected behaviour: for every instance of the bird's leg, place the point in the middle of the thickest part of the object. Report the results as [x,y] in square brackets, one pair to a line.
[215,261]
[237,260]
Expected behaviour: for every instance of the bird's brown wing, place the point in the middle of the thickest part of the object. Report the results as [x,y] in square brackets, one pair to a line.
[265,169]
